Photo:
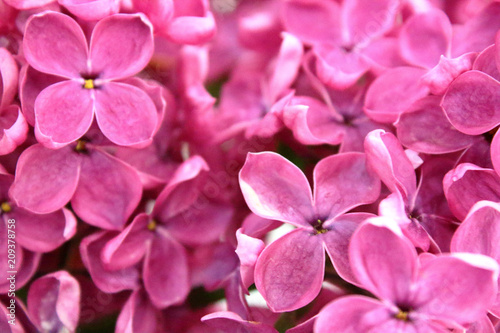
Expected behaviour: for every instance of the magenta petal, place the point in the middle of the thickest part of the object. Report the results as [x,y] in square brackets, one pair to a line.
[108,192]
[67,57]
[464,291]
[386,157]
[54,302]
[295,279]
[128,248]
[393,93]
[137,315]
[495,153]
[27,4]
[336,241]
[353,314]
[121,46]
[467,184]
[480,233]
[63,113]
[413,129]
[425,37]
[126,114]
[109,281]
[159,12]
[276,189]
[472,103]
[8,78]
[45,179]
[14,127]
[248,251]
[91,10]
[229,322]
[367,19]
[307,20]
[192,29]
[165,272]
[383,260]
[43,233]
[342,182]
[486,62]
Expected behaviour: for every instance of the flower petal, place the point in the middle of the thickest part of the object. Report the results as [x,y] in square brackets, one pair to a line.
[192,29]
[126,114]
[108,192]
[67,56]
[121,45]
[425,37]
[293,280]
[472,103]
[383,260]
[63,113]
[230,322]
[458,287]
[342,182]
[46,179]
[91,10]
[14,128]
[165,272]
[276,189]
[137,315]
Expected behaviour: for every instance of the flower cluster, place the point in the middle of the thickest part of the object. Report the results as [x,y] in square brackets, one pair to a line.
[261,166]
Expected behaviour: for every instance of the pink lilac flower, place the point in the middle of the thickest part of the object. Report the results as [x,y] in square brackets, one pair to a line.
[120,46]
[276,189]
[415,294]
[420,209]
[103,190]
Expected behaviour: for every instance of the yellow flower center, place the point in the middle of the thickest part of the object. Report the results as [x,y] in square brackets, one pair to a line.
[80,146]
[5,206]
[89,84]
[152,225]
[402,315]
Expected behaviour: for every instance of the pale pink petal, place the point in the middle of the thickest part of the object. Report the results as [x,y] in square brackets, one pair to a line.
[442,75]
[336,241]
[383,260]
[307,20]
[467,184]
[230,322]
[276,189]
[295,279]
[137,315]
[354,314]
[67,57]
[159,12]
[15,129]
[64,112]
[27,4]
[425,37]
[8,78]
[108,192]
[121,46]
[286,68]
[192,29]
[393,92]
[480,233]
[126,114]
[486,62]
[54,302]
[295,118]
[472,103]
[248,251]
[495,153]
[464,291]
[109,281]
[365,20]
[342,182]
[165,272]
[338,68]
[91,10]
[413,129]
[386,157]
[45,179]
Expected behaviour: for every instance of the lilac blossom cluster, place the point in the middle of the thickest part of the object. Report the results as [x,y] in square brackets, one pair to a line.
[164,163]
